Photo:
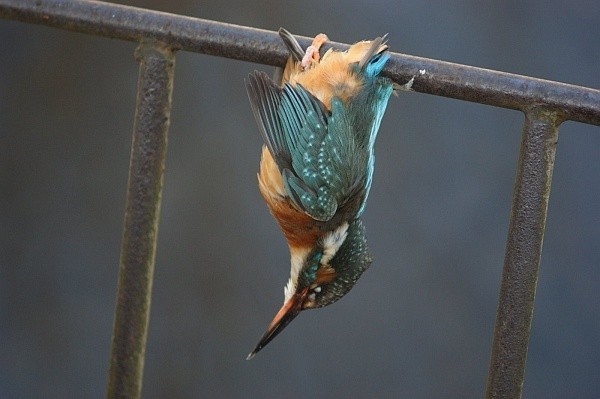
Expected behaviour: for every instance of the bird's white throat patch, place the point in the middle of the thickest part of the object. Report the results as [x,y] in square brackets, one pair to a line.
[331,243]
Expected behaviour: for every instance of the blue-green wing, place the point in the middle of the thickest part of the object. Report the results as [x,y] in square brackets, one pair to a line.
[319,159]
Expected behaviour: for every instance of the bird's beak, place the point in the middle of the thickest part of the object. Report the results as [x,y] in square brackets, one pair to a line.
[286,314]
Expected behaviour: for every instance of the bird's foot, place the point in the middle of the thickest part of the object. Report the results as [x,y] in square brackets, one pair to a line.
[312,52]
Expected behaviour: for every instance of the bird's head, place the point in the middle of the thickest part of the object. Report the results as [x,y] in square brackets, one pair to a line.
[321,274]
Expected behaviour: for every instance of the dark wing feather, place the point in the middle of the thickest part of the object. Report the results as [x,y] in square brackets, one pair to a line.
[265,100]
[294,125]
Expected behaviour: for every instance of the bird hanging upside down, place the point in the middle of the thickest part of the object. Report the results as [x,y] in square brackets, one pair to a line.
[319,127]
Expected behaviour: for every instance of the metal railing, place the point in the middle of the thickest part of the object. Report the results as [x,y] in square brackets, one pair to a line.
[546,104]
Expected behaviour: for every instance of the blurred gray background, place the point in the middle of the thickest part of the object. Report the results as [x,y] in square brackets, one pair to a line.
[418,324]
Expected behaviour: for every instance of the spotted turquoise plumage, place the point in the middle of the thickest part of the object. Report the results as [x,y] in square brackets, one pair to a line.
[325,156]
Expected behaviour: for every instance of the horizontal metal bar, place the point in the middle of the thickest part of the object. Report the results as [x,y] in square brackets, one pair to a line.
[523,252]
[142,209]
[265,47]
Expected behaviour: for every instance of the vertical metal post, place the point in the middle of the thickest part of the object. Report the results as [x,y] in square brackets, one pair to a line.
[144,191]
[523,252]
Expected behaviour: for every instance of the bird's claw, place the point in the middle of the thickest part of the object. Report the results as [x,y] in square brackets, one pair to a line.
[312,52]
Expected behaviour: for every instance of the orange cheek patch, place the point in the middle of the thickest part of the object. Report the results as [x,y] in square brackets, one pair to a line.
[325,274]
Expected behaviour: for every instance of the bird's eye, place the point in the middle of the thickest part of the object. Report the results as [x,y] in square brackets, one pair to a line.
[313,293]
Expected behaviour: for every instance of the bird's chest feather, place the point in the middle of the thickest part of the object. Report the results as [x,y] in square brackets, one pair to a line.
[299,228]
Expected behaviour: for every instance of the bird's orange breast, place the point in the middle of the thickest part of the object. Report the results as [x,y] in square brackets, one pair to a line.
[299,229]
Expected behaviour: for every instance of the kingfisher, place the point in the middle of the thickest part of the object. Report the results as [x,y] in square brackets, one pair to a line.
[319,125]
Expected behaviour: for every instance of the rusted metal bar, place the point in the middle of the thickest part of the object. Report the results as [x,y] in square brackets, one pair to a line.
[265,47]
[144,191]
[545,103]
[523,252]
